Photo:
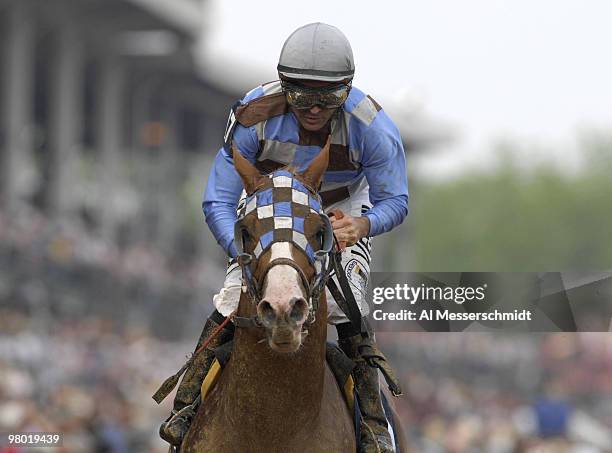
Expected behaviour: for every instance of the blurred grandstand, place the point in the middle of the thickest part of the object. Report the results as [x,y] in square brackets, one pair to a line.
[107,130]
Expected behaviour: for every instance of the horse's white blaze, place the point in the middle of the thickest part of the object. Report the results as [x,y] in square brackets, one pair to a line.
[283,282]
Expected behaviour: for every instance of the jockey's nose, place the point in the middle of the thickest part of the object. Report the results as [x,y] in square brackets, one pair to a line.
[293,311]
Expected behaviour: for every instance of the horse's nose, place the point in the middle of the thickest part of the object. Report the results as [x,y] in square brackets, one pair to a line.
[293,311]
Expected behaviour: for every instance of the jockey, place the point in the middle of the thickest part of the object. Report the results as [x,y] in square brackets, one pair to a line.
[364,190]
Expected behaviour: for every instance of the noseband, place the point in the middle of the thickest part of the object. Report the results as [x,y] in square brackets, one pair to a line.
[285,198]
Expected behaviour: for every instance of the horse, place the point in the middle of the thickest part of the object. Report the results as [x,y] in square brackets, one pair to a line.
[277,393]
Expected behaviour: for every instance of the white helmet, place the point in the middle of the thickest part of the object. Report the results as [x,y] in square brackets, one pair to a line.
[317,52]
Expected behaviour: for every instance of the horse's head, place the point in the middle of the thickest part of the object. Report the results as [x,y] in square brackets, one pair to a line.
[283,238]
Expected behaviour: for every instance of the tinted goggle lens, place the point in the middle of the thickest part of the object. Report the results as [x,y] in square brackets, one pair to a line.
[305,98]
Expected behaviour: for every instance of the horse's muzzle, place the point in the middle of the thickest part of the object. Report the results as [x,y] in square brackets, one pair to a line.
[283,323]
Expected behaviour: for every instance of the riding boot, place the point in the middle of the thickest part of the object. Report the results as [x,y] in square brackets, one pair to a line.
[187,396]
[375,437]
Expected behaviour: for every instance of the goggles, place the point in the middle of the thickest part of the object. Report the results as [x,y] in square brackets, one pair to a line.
[302,97]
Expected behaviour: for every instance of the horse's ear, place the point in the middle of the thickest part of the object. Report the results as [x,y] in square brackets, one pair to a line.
[314,173]
[248,173]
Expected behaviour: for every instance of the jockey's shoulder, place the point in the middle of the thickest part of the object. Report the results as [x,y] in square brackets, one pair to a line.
[265,89]
[361,106]
[261,103]
[267,100]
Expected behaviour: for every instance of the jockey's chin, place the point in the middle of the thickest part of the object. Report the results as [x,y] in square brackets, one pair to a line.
[313,119]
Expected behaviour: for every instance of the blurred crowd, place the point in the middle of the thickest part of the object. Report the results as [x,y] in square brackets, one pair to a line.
[69,241]
[88,331]
[89,328]
[496,392]
[63,268]
[87,379]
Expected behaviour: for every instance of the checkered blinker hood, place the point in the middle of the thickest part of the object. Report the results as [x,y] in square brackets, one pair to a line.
[283,210]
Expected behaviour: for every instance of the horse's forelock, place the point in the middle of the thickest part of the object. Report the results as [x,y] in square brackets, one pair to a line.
[296,174]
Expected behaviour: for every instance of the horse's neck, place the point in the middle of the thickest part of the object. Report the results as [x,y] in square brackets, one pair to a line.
[281,390]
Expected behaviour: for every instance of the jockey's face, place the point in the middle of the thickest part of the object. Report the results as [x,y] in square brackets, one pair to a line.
[316,117]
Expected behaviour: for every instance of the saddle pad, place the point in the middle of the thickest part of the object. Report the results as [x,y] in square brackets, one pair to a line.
[211,379]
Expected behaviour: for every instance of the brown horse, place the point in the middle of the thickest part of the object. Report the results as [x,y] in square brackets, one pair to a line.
[277,393]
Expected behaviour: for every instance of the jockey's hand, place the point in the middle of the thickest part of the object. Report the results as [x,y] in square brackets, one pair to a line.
[348,229]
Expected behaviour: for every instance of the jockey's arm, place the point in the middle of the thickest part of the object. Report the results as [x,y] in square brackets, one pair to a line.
[224,188]
[384,166]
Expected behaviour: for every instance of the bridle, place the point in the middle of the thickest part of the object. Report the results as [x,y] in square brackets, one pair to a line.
[319,259]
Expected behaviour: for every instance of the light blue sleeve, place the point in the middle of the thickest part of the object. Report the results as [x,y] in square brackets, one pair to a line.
[224,187]
[384,166]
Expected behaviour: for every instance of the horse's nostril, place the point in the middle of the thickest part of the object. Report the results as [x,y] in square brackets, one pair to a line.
[266,312]
[299,311]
